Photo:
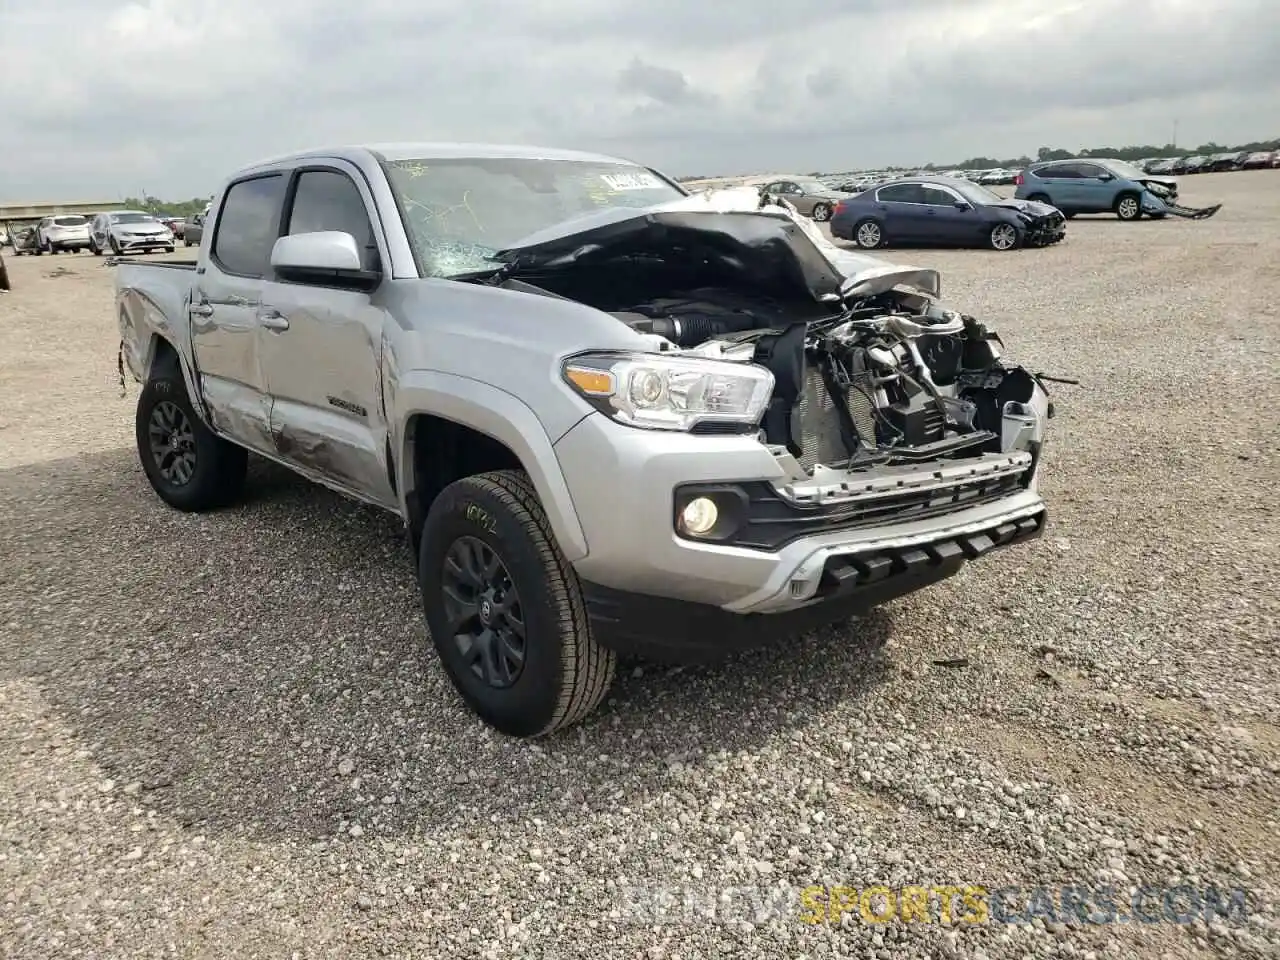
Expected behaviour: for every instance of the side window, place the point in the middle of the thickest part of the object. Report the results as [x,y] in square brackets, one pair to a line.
[328,200]
[247,225]
[937,197]
[1057,171]
[899,193]
[1088,170]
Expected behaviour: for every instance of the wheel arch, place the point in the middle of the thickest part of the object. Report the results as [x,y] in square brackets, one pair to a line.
[451,426]
[160,355]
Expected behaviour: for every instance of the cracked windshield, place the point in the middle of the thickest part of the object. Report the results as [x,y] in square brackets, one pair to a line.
[461,212]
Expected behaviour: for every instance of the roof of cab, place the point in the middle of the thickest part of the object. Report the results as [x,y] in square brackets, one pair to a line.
[438,151]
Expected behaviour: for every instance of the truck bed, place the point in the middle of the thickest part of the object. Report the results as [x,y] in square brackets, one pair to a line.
[145,289]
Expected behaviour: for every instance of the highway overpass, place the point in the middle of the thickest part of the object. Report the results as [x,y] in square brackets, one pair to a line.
[35,211]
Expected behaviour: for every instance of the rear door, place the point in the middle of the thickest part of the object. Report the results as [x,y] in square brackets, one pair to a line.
[901,207]
[226,307]
[1057,182]
[322,346]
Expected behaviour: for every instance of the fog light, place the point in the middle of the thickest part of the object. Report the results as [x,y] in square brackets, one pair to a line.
[699,516]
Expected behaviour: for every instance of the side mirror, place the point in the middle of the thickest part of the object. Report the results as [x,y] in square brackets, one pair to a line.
[962,205]
[1104,177]
[325,258]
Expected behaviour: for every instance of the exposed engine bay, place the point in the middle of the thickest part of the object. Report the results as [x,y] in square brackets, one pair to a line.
[865,373]
[891,378]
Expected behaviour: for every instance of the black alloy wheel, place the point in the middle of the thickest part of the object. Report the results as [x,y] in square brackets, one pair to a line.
[485,616]
[172,442]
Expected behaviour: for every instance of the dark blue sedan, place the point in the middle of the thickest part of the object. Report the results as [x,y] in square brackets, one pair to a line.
[944,211]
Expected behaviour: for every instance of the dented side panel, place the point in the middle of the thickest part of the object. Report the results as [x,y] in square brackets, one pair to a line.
[323,373]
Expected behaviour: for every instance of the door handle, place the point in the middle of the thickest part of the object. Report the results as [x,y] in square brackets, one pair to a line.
[273,320]
[202,310]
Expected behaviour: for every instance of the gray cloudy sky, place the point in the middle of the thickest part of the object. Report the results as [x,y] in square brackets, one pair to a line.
[101,98]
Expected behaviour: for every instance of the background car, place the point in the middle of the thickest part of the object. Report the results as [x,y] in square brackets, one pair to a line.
[63,233]
[998,177]
[26,239]
[173,223]
[129,231]
[944,211]
[1097,185]
[193,230]
[4,235]
[1260,160]
[812,198]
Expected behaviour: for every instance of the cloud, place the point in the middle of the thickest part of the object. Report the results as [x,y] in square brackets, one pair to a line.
[172,95]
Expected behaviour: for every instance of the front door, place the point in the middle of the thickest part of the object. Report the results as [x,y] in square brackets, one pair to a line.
[1094,189]
[225,309]
[322,350]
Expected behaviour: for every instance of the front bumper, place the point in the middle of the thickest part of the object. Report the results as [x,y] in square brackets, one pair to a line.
[127,243]
[633,547]
[1046,230]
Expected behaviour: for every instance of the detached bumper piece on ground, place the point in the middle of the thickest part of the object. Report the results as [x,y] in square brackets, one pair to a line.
[1193,213]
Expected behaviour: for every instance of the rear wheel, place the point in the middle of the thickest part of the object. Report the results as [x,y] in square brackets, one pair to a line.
[822,212]
[94,248]
[505,608]
[188,466]
[868,234]
[1128,207]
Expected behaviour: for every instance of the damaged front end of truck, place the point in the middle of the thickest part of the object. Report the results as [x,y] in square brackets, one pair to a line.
[883,407]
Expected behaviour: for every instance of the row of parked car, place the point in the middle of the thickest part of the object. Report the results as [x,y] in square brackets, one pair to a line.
[115,231]
[949,210]
[1212,163]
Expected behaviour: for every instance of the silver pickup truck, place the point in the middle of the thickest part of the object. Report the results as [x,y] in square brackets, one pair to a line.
[614,416]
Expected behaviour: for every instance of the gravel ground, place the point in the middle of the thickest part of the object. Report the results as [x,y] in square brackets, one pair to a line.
[219,735]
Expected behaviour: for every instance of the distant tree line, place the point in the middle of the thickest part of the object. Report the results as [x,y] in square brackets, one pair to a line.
[1138,152]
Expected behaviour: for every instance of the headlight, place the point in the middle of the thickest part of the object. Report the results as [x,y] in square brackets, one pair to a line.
[670,392]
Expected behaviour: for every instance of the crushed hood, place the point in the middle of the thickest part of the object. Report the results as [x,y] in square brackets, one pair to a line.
[775,242]
[1032,208]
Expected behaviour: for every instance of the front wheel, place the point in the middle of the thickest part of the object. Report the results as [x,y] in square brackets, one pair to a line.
[94,248]
[505,608]
[189,467]
[1128,207]
[822,212]
[868,234]
[1003,236]
[115,247]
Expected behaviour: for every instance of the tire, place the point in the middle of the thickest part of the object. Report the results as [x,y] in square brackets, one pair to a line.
[115,247]
[186,242]
[1004,237]
[561,674]
[1128,206]
[216,470]
[94,248]
[168,249]
[822,212]
[868,234]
